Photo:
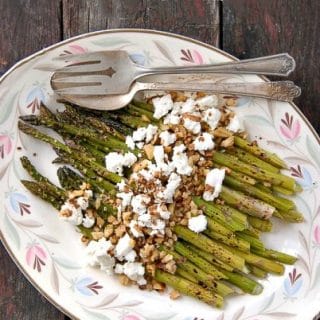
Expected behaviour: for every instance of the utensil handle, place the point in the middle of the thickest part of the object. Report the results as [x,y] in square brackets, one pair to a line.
[277,65]
[278,90]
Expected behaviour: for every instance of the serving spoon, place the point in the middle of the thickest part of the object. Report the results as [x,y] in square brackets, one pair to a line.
[114,72]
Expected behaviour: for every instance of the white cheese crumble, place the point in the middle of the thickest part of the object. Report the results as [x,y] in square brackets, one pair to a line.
[214,179]
[130,142]
[82,203]
[198,224]
[123,247]
[171,187]
[116,161]
[188,106]
[160,157]
[208,101]
[136,233]
[125,198]
[192,126]
[133,270]
[88,222]
[235,124]
[121,185]
[97,255]
[139,203]
[204,142]
[180,160]
[167,138]
[164,213]
[162,105]
[76,214]
[211,117]
[171,119]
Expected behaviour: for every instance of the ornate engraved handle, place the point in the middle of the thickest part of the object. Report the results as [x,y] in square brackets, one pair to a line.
[279,90]
[277,65]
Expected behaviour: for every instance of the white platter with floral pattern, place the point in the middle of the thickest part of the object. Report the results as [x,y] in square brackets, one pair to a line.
[48,251]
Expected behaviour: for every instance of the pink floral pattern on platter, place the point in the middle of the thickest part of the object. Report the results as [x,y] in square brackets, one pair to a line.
[293,283]
[36,256]
[290,127]
[19,203]
[316,236]
[5,145]
[86,286]
[131,317]
[303,176]
[74,49]
[191,56]
[34,99]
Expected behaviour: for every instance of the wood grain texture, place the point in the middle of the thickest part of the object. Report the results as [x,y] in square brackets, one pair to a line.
[253,28]
[198,19]
[26,27]
[19,300]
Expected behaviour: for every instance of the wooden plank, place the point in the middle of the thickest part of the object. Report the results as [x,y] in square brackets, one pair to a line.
[253,28]
[26,26]
[197,19]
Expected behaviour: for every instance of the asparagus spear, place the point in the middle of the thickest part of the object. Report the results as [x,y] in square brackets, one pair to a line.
[201,263]
[203,278]
[203,242]
[289,216]
[257,272]
[260,224]
[188,288]
[143,105]
[184,274]
[254,242]
[275,255]
[271,158]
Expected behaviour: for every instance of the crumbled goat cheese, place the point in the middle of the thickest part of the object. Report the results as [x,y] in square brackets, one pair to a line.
[204,142]
[160,157]
[180,160]
[171,119]
[188,106]
[125,198]
[133,270]
[88,194]
[140,145]
[162,105]
[214,179]
[144,134]
[144,220]
[208,101]
[121,185]
[167,138]
[97,255]
[198,224]
[235,124]
[123,247]
[76,214]
[136,233]
[116,161]
[139,203]
[130,142]
[88,222]
[151,131]
[131,256]
[211,117]
[158,227]
[139,134]
[164,213]
[192,126]
[171,187]
[82,203]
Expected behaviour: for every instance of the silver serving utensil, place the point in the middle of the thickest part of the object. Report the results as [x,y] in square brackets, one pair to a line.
[113,72]
[279,90]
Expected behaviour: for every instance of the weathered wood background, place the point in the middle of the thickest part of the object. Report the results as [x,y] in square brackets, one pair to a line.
[244,28]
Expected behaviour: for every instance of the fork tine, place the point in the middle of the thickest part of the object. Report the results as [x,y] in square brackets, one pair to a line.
[79,79]
[83,57]
[81,91]
[77,68]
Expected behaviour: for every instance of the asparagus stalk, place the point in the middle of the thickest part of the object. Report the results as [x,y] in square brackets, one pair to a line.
[257,272]
[251,206]
[275,201]
[188,288]
[266,156]
[260,224]
[236,242]
[184,274]
[254,242]
[222,214]
[252,160]
[68,179]
[201,263]
[143,105]
[203,242]
[275,255]
[289,216]
[217,227]
[257,173]
[284,191]
[203,278]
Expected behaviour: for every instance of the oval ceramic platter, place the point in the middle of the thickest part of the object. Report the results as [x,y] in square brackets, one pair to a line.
[49,252]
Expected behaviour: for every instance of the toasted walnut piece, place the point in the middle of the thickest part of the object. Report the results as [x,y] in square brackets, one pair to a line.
[191,116]
[227,143]
[145,118]
[108,230]
[149,149]
[85,240]
[167,258]
[158,285]
[162,254]
[120,231]
[124,280]
[140,165]
[154,256]
[75,193]
[132,243]
[184,222]
[111,219]
[222,132]
[231,102]
[171,266]
[97,235]
[180,97]
[174,295]
[99,222]
[167,149]
[151,268]
[65,213]
[174,95]
[168,232]
[200,94]
[126,215]
[113,239]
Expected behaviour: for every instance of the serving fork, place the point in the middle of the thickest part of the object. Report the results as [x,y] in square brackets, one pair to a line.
[113,72]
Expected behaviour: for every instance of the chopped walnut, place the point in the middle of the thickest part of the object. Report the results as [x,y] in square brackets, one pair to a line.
[174,295]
